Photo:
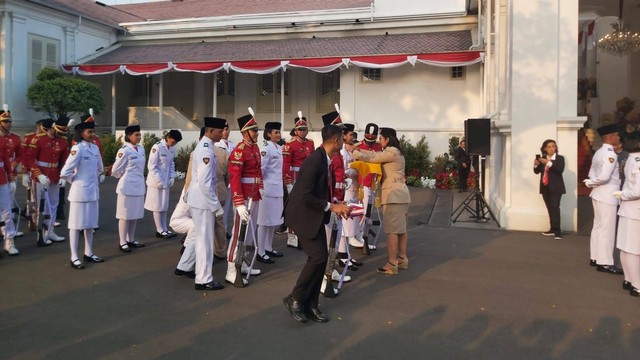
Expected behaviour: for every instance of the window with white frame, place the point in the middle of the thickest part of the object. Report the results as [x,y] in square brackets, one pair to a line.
[269,92]
[457,73]
[371,75]
[43,52]
[328,91]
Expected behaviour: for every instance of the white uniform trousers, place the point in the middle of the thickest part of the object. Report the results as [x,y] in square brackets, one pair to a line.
[5,212]
[351,227]
[204,225]
[251,232]
[54,198]
[603,233]
[188,259]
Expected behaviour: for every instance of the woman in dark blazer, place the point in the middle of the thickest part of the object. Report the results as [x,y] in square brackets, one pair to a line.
[550,166]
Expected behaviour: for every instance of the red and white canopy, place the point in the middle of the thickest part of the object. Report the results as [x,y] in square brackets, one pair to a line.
[267,56]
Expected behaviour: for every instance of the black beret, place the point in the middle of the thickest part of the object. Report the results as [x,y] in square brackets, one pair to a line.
[349,128]
[214,122]
[132,129]
[273,125]
[387,132]
[175,135]
[608,129]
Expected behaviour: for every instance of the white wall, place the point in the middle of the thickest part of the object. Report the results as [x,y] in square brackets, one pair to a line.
[415,7]
[77,39]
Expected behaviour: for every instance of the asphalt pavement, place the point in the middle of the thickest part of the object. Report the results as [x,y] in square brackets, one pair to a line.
[470,293]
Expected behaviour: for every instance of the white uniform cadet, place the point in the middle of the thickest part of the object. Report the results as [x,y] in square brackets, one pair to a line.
[159,181]
[629,225]
[129,168]
[350,227]
[202,199]
[271,205]
[228,146]
[82,170]
[182,223]
[605,179]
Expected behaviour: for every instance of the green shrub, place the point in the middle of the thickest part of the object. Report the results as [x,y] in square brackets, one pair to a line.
[416,157]
[453,144]
[182,157]
[110,147]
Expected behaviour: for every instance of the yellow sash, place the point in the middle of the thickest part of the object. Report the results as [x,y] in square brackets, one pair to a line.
[366,169]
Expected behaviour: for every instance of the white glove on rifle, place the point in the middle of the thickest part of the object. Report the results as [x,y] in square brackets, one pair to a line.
[25,181]
[101,178]
[62,183]
[44,180]
[171,181]
[617,194]
[289,188]
[219,212]
[160,185]
[12,186]
[588,183]
[243,212]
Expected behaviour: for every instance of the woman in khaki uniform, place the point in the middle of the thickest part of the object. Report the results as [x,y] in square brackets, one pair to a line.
[395,198]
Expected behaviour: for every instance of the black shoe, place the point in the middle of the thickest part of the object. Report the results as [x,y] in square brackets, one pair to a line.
[125,248]
[135,244]
[343,262]
[214,285]
[274,253]
[295,309]
[634,292]
[593,263]
[171,233]
[626,285]
[264,259]
[77,264]
[610,269]
[163,235]
[557,237]
[316,315]
[189,274]
[93,258]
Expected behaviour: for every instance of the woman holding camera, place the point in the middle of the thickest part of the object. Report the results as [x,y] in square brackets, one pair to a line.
[550,166]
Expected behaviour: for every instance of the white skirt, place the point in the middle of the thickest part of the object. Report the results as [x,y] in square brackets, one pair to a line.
[270,211]
[83,215]
[157,199]
[130,207]
[628,240]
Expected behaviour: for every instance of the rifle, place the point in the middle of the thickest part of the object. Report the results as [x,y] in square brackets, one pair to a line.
[242,249]
[329,291]
[41,218]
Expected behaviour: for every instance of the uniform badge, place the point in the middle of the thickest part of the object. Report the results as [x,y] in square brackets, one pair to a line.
[264,153]
[120,155]
[206,161]
[205,145]
[237,155]
[153,150]
[73,152]
[611,160]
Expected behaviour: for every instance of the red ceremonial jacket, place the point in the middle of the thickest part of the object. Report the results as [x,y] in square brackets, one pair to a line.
[337,171]
[6,174]
[45,155]
[294,153]
[245,173]
[13,147]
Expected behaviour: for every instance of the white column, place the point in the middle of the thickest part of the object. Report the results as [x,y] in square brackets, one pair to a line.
[541,73]
[160,101]
[282,97]
[6,42]
[215,94]
[113,103]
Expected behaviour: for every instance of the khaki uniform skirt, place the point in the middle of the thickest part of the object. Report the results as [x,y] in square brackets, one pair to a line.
[394,217]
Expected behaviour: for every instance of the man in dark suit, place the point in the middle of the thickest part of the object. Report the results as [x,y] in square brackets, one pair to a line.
[307,210]
[464,164]
[550,167]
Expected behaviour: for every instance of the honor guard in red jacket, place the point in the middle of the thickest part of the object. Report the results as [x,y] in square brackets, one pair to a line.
[294,153]
[245,178]
[47,152]
[29,208]
[9,147]
[369,143]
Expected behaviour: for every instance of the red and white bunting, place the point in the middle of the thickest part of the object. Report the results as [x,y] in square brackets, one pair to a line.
[320,65]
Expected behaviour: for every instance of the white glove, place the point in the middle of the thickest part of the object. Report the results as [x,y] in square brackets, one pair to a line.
[62,183]
[25,181]
[219,212]
[12,186]
[243,212]
[44,180]
[617,194]
[101,178]
[160,185]
[289,188]
[347,183]
[171,181]
[588,183]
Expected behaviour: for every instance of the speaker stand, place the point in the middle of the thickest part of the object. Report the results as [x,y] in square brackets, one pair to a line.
[475,204]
